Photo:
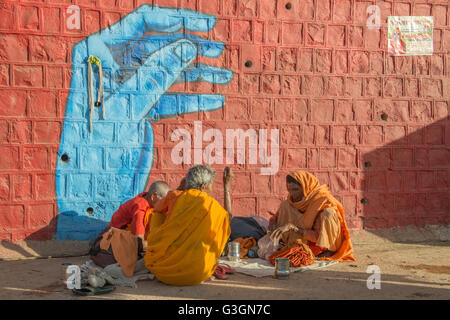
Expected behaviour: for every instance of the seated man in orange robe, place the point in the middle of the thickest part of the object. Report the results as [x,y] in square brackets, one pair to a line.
[188,231]
[134,215]
[314,216]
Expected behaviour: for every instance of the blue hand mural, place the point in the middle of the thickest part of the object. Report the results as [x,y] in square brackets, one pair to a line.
[142,56]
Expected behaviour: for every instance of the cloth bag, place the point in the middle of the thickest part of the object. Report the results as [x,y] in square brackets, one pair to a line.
[245,227]
[266,247]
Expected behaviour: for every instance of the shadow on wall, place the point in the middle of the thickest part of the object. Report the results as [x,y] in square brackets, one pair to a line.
[38,244]
[406,182]
[88,228]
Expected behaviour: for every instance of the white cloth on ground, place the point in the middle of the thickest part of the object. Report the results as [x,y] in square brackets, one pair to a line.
[113,273]
[262,268]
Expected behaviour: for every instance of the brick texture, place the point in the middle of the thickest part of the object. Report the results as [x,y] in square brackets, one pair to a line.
[368,125]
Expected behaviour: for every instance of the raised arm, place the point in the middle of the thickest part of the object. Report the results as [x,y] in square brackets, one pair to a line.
[227,177]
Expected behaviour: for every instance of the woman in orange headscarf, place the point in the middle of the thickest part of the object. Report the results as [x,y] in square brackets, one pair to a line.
[314,216]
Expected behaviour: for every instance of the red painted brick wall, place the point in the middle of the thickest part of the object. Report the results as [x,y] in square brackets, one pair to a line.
[318,74]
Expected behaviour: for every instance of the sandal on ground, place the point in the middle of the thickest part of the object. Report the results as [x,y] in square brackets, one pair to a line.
[219,274]
[91,291]
[225,268]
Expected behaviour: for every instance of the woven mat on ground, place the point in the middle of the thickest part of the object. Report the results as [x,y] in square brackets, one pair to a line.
[262,268]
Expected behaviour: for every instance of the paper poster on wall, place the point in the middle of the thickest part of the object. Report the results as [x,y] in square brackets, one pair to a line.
[410,36]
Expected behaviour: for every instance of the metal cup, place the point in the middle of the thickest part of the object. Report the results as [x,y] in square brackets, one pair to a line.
[282,268]
[234,251]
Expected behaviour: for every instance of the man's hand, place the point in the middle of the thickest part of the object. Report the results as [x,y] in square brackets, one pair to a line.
[144,242]
[278,233]
[227,176]
[144,245]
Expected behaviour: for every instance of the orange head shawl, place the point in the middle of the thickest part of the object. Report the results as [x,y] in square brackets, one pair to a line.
[317,198]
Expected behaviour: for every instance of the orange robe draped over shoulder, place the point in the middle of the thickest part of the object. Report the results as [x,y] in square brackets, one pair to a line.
[184,248]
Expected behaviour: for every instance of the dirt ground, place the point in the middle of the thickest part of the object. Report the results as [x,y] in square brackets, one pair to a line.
[408,271]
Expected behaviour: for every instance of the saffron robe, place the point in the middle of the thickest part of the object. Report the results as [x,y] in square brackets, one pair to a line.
[184,249]
[320,215]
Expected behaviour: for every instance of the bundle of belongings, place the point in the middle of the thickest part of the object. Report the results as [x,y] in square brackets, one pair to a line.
[248,227]
[247,244]
[247,231]
[96,280]
[126,247]
[116,260]
[251,233]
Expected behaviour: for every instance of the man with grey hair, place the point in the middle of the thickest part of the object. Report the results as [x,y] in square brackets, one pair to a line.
[200,177]
[189,229]
[134,215]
